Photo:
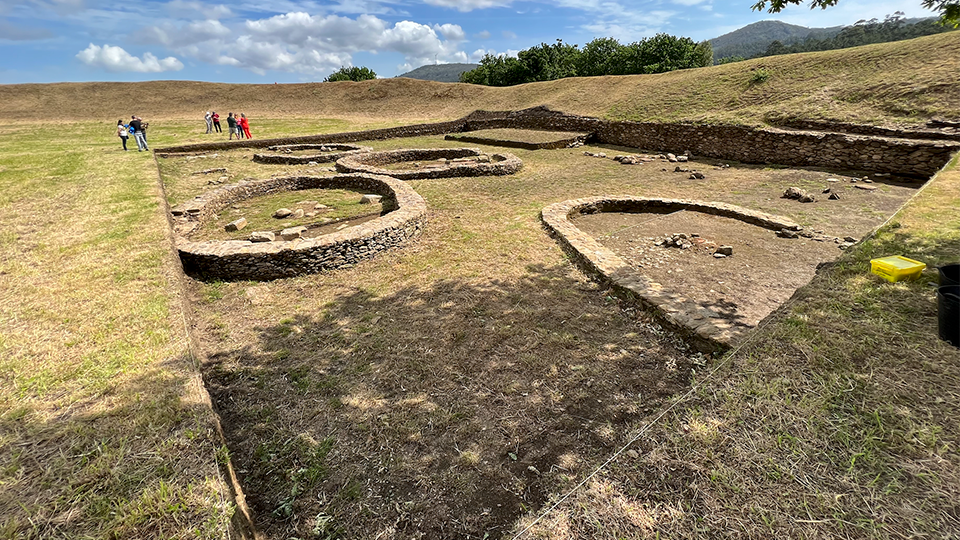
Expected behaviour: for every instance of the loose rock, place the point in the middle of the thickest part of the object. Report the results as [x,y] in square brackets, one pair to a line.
[370,199]
[262,236]
[283,213]
[293,232]
[725,250]
[235,225]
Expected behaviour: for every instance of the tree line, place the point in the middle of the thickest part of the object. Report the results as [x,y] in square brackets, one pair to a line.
[893,28]
[602,56]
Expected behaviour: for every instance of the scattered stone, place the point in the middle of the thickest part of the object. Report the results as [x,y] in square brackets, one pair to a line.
[826,190]
[867,180]
[671,158]
[321,207]
[793,193]
[283,213]
[312,163]
[235,225]
[725,250]
[632,454]
[297,214]
[211,171]
[806,234]
[850,239]
[845,245]
[262,236]
[483,158]
[370,199]
[310,214]
[601,155]
[807,198]
[787,233]
[293,232]
[719,256]
[866,188]
[834,196]
[682,159]
[695,175]
[832,180]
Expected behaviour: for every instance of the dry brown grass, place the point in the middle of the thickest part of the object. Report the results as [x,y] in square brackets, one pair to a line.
[905,82]
[413,393]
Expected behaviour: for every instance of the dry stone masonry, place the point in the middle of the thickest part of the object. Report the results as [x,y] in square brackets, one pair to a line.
[326,153]
[261,258]
[704,327]
[457,162]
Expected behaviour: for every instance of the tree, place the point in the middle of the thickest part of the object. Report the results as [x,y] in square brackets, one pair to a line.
[949,9]
[351,74]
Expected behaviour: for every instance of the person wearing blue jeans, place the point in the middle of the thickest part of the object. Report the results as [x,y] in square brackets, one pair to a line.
[137,126]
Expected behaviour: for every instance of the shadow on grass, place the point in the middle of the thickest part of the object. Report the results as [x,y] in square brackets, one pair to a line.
[135,460]
[442,411]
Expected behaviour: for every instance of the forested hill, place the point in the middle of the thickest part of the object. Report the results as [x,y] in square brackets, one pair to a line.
[754,39]
[439,72]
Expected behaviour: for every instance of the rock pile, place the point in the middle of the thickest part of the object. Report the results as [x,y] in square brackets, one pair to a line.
[798,194]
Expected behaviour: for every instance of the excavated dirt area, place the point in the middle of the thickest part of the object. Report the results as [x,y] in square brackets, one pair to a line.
[445,389]
[763,272]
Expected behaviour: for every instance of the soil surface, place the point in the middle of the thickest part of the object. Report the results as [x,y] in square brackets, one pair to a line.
[763,272]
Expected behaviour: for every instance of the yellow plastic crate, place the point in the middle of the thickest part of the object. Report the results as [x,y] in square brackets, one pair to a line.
[896,268]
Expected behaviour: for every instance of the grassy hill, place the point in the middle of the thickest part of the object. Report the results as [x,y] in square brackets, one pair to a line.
[439,72]
[891,83]
[754,38]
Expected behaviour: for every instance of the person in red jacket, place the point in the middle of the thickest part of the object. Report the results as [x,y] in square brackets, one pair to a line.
[216,122]
[245,125]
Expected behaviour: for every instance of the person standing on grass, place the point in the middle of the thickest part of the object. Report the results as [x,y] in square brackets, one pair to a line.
[123,132]
[208,118]
[137,126]
[245,125]
[232,125]
[216,122]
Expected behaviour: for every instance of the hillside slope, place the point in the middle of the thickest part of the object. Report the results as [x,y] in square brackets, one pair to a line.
[439,72]
[905,82]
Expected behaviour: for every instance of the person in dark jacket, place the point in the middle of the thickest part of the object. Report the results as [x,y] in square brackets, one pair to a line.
[232,126]
[138,128]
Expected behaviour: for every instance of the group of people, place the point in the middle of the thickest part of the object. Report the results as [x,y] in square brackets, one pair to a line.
[237,125]
[139,130]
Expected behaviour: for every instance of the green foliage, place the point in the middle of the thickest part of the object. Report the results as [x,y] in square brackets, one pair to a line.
[602,56]
[949,9]
[355,74]
[893,28]
[759,75]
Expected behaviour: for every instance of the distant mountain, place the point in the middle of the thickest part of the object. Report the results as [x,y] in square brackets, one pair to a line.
[754,38]
[439,72]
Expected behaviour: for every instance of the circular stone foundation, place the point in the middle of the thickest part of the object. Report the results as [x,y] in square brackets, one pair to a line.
[405,213]
[332,152]
[707,329]
[457,162]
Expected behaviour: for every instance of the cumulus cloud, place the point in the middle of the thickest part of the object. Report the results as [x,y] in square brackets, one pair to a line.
[482,35]
[468,5]
[116,60]
[453,32]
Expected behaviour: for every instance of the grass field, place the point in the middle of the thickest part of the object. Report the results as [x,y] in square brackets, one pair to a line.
[838,419]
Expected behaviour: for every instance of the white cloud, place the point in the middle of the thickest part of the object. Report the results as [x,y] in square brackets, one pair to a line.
[453,32]
[298,42]
[688,2]
[174,36]
[468,5]
[508,34]
[115,59]
[482,35]
[188,9]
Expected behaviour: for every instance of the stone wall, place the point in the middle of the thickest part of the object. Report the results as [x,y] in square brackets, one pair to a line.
[704,327]
[904,157]
[330,156]
[241,259]
[499,165]
[491,141]
[912,158]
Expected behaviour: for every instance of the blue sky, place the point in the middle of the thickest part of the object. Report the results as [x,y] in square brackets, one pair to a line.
[265,41]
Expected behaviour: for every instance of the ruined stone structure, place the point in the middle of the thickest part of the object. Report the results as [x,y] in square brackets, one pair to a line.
[327,153]
[404,215]
[371,162]
[704,327]
[913,157]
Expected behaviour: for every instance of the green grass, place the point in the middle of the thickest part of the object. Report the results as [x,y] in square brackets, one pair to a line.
[102,427]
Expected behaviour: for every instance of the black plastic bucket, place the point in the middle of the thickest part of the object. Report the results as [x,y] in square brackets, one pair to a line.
[948,314]
[949,275]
